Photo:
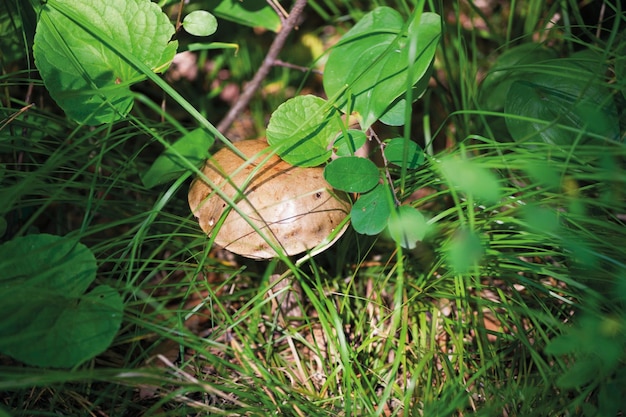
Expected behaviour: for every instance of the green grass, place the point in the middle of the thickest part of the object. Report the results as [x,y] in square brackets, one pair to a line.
[387,331]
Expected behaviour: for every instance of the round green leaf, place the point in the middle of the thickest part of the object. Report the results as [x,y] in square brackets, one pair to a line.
[81,49]
[200,23]
[373,59]
[399,152]
[346,145]
[370,213]
[302,129]
[48,318]
[352,173]
[407,226]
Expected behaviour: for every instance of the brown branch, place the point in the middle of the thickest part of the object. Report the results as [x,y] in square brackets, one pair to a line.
[265,67]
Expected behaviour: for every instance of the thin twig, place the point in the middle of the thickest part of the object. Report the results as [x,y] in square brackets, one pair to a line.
[265,67]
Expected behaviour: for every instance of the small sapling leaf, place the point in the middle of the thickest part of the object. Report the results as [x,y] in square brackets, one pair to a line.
[352,173]
[200,23]
[347,145]
[302,130]
[370,214]
[407,226]
[194,147]
[397,148]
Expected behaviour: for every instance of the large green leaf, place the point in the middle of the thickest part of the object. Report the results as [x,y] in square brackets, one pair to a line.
[369,67]
[562,105]
[82,47]
[48,320]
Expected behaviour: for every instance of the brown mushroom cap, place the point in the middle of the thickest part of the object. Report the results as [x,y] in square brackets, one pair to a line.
[294,207]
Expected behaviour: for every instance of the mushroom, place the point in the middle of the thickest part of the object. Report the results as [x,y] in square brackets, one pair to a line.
[294,208]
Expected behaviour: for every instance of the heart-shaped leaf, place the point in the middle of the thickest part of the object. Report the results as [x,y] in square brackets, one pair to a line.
[81,50]
[302,129]
[48,320]
[373,59]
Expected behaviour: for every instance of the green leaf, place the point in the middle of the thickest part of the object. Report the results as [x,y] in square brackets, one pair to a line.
[81,50]
[407,226]
[370,213]
[302,129]
[352,173]
[399,152]
[48,318]
[200,23]
[547,103]
[471,178]
[373,59]
[347,145]
[253,13]
[193,148]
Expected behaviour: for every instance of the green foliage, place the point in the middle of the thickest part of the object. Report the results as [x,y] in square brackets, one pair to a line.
[486,273]
[193,148]
[49,320]
[82,52]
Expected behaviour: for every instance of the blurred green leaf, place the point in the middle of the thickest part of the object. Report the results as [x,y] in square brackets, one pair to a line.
[372,60]
[546,103]
[200,23]
[407,226]
[193,147]
[302,129]
[512,65]
[464,251]
[471,178]
[48,318]
[352,173]
[371,211]
[81,48]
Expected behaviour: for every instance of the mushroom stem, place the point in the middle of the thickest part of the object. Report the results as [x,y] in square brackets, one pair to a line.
[289,293]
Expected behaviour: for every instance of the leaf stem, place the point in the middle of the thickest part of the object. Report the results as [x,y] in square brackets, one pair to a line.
[270,59]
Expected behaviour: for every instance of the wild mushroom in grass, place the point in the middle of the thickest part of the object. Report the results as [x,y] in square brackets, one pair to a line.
[294,208]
